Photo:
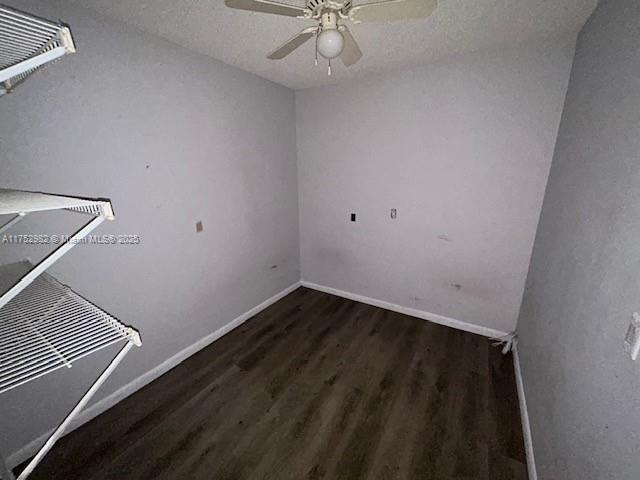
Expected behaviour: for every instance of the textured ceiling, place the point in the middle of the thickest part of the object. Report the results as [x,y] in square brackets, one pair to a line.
[244,38]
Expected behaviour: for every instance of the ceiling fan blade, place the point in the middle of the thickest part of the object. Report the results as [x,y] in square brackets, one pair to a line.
[266,6]
[388,10]
[290,45]
[351,53]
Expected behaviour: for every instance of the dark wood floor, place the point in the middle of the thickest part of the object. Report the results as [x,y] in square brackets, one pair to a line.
[314,387]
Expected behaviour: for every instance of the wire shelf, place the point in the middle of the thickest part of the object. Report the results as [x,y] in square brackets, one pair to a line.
[27,44]
[48,326]
[19,202]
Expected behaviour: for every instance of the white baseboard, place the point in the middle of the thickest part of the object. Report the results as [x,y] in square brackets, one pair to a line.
[432,317]
[524,413]
[123,392]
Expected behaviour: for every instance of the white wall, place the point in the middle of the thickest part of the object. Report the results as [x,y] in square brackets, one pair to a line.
[462,149]
[171,137]
[583,391]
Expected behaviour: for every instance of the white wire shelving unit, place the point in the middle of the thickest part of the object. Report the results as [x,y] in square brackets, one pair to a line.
[27,44]
[44,325]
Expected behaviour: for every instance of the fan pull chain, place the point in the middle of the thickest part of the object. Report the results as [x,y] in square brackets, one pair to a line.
[329,69]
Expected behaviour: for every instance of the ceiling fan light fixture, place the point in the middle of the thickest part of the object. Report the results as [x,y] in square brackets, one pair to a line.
[333,38]
[330,43]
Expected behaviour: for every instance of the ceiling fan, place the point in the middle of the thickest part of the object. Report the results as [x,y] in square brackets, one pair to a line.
[333,38]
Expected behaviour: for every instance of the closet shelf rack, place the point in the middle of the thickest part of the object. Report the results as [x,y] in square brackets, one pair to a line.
[44,325]
[48,326]
[27,44]
[18,204]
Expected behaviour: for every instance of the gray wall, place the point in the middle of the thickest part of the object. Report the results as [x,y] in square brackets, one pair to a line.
[582,391]
[171,137]
[462,148]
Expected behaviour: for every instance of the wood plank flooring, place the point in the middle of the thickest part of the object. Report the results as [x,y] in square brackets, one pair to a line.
[314,387]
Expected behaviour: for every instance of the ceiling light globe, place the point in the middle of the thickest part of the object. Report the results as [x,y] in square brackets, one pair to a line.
[330,43]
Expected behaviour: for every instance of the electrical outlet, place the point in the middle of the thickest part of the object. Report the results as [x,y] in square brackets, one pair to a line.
[394,213]
[199,226]
[632,339]
[353,217]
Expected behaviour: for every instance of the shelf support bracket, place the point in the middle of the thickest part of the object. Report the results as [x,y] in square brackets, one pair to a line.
[50,260]
[31,63]
[59,431]
[12,222]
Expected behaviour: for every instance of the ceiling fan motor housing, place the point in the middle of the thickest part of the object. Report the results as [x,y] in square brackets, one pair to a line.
[316,8]
[329,20]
